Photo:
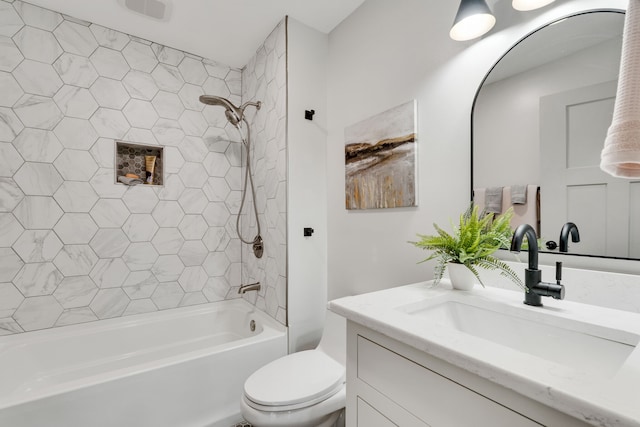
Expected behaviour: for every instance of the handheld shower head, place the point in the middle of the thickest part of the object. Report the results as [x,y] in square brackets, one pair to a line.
[235,115]
[232,113]
[216,100]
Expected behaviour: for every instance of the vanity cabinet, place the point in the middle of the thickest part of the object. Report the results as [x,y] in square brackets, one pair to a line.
[392,384]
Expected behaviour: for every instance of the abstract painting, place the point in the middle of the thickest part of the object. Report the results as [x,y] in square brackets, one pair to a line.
[380,160]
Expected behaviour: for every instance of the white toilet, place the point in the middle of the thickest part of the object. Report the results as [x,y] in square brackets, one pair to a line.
[304,389]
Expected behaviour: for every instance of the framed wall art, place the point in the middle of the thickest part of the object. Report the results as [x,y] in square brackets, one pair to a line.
[380,160]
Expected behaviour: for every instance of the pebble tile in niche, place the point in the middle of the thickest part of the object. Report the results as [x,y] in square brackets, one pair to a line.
[130,158]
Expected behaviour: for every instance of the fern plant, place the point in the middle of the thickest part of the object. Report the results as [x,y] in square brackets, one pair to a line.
[472,243]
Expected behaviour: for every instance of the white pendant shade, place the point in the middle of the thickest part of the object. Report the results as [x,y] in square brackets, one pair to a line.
[474,18]
[621,154]
[472,27]
[525,5]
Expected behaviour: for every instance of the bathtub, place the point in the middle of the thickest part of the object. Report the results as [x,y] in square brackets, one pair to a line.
[177,368]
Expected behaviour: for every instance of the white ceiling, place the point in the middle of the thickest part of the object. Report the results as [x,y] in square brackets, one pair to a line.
[227,31]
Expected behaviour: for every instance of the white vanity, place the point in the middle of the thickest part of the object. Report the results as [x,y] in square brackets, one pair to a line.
[424,356]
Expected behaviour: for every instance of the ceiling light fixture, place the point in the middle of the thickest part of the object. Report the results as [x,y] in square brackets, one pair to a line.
[526,5]
[474,18]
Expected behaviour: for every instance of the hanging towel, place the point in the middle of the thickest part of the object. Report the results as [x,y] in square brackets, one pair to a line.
[478,198]
[518,194]
[493,199]
[529,212]
[621,154]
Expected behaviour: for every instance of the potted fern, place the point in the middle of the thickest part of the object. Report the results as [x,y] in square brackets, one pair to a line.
[471,245]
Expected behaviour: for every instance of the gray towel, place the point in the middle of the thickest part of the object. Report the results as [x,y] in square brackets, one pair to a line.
[493,200]
[130,181]
[518,194]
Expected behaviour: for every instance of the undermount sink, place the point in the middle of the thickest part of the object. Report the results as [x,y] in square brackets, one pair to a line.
[568,342]
[579,359]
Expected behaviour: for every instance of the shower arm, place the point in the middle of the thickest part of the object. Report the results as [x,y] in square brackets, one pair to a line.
[256,104]
[237,113]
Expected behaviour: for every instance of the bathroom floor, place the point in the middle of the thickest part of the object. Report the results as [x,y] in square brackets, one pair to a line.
[242,424]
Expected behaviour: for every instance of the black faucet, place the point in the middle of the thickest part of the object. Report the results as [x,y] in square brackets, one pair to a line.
[569,227]
[535,287]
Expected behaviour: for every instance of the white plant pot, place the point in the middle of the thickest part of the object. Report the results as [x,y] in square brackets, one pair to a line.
[461,277]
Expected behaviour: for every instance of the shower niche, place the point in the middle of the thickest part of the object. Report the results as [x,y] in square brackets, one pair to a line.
[139,164]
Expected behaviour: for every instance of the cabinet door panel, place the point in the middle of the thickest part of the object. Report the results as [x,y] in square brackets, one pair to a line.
[431,397]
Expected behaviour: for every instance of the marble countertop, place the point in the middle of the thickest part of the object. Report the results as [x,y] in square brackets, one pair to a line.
[601,399]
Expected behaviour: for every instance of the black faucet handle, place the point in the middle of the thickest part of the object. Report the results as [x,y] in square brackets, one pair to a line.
[558,271]
[553,290]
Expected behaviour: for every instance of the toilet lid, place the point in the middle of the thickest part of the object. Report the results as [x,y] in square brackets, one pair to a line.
[308,376]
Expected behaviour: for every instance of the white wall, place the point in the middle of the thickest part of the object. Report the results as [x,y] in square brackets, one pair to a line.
[387,53]
[307,195]
[383,55]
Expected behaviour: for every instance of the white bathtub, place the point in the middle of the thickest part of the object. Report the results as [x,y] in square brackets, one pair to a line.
[177,368]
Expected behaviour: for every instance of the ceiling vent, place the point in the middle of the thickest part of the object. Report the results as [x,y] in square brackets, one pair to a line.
[151,8]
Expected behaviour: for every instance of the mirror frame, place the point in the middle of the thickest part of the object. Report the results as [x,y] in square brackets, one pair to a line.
[475,99]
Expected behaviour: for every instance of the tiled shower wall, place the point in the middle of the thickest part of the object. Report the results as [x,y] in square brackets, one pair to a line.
[74,245]
[265,79]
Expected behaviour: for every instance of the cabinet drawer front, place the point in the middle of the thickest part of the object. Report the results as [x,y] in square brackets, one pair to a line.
[431,397]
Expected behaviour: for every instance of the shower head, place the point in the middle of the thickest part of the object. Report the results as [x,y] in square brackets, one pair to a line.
[234,114]
[216,100]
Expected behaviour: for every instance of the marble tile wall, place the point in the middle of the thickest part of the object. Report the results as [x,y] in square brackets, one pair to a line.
[265,79]
[77,247]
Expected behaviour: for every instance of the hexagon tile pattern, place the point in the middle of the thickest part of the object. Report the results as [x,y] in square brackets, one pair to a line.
[264,79]
[76,246]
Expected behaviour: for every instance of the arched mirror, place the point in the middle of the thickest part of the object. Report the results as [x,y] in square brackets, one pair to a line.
[540,118]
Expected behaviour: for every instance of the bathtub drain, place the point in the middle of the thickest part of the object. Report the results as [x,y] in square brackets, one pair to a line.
[252,325]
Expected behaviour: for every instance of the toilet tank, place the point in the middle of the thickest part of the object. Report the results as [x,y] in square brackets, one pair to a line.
[334,337]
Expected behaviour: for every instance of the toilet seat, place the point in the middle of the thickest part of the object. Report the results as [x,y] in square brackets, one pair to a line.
[296,381]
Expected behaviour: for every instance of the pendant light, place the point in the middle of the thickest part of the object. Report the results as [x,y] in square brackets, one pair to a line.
[474,18]
[526,5]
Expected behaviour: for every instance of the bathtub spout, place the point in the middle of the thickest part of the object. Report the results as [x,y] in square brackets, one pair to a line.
[251,287]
